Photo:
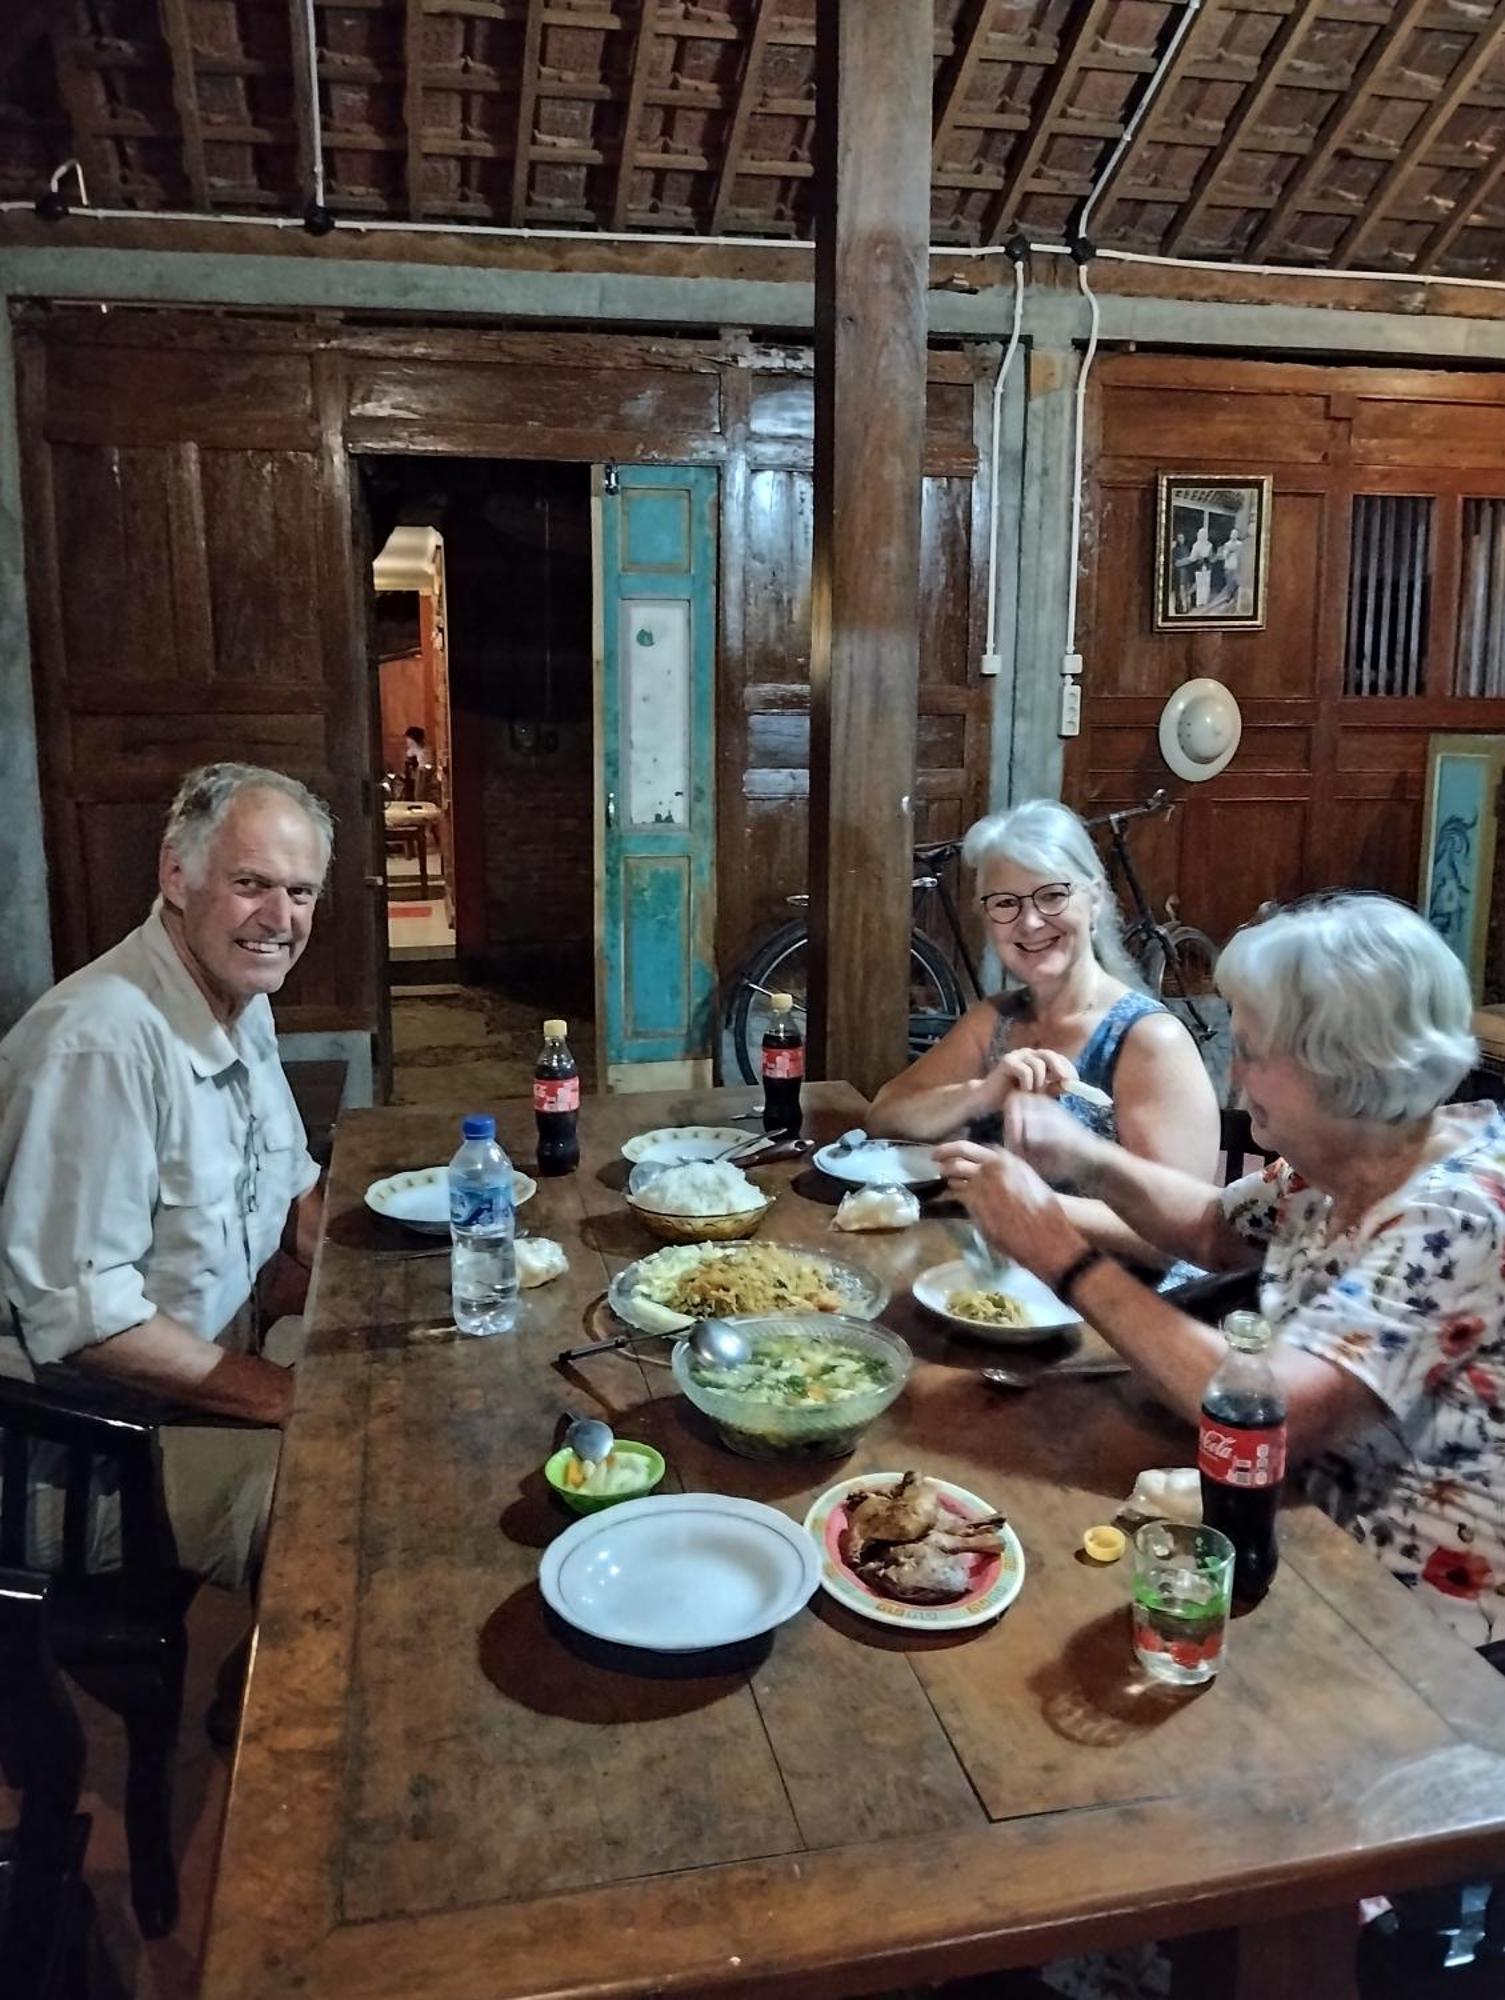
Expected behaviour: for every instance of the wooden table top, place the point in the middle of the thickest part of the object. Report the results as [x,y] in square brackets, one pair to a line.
[438,1794]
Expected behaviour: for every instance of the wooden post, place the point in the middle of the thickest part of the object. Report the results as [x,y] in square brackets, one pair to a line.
[873,118]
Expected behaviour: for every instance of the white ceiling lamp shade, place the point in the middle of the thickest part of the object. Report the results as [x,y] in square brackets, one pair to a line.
[409,560]
[1200,727]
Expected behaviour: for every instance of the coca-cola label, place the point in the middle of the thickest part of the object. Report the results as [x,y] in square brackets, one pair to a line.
[782,1063]
[562,1094]
[1236,1457]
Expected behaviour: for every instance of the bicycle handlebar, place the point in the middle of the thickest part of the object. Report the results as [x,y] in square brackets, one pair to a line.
[1158,802]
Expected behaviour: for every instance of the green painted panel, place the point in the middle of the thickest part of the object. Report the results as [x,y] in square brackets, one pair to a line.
[655,531]
[657,921]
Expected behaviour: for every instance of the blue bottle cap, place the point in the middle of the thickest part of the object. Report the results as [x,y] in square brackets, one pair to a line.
[480,1127]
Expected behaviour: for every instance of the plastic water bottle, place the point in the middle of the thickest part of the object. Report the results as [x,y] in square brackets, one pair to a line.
[482,1218]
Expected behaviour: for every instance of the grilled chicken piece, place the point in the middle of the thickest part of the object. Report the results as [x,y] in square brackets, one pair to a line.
[903,1513]
[918,1572]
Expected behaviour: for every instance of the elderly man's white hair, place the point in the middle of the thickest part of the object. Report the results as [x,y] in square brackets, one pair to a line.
[1365,996]
[1044,834]
[206,795]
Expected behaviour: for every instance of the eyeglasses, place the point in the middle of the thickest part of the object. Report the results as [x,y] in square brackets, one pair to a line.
[1048,901]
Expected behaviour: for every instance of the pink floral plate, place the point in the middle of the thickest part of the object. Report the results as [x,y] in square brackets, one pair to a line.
[996,1579]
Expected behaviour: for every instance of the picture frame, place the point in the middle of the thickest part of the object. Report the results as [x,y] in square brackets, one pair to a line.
[1459,836]
[1212,551]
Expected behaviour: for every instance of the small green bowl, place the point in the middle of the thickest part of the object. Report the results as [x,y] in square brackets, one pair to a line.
[592,1503]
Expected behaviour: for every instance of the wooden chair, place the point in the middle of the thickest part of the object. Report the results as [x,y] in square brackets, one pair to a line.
[119,1633]
[48,1943]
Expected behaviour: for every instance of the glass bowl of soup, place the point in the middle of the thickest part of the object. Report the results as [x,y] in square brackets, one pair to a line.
[809,1389]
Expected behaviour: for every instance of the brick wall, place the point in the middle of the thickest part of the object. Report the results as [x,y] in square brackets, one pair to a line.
[538,806]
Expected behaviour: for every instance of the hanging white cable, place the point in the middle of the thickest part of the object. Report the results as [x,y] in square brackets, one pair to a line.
[1077,451]
[315,122]
[990,660]
[1151,92]
[68,166]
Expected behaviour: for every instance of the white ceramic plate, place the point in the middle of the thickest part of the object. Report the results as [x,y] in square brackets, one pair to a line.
[420,1199]
[680,1572]
[881,1160]
[1047,1315]
[687,1142]
[862,1292]
[997,1580]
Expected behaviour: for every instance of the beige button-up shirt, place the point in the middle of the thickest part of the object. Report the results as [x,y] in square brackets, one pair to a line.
[148,1155]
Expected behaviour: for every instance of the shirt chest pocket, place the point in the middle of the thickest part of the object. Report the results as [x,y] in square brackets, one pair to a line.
[196,1204]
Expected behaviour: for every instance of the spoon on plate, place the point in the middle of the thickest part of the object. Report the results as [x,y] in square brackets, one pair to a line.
[1019,1378]
[717,1345]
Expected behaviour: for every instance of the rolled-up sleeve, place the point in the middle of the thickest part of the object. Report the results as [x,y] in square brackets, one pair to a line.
[1250,1205]
[76,1211]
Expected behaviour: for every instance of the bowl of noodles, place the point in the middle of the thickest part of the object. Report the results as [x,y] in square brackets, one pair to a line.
[809,1388]
[669,1291]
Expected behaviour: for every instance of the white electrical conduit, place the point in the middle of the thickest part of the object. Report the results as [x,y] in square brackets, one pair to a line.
[1151,92]
[990,650]
[315,121]
[1081,428]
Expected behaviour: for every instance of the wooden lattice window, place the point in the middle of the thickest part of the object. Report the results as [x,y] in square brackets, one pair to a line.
[1480,664]
[1389,594]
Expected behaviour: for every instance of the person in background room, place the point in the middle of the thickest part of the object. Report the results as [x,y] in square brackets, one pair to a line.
[416,759]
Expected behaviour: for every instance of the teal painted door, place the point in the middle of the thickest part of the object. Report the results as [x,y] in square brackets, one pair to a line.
[658,663]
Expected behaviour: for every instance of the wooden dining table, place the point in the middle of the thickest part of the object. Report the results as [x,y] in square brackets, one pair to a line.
[442,1793]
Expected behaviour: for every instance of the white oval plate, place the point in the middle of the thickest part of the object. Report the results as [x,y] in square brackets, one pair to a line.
[420,1199]
[686,1142]
[999,1583]
[680,1572]
[898,1163]
[863,1292]
[1047,1315]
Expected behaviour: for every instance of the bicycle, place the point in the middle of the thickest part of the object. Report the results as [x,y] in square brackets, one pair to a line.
[1167,952]
[936,997]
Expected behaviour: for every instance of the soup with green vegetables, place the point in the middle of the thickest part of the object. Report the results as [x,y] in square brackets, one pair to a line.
[799,1371]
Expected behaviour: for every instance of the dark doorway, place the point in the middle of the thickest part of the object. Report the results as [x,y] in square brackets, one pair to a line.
[519,796]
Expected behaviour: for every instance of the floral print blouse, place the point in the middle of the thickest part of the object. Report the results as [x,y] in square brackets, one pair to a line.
[1412,1302]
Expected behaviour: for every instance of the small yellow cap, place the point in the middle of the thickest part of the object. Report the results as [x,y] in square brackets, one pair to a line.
[555,1031]
[781,1003]
[1104,1544]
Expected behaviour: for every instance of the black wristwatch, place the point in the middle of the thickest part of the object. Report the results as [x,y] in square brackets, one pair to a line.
[1075,1271]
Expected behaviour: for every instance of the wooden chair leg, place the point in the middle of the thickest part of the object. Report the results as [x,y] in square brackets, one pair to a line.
[151,1726]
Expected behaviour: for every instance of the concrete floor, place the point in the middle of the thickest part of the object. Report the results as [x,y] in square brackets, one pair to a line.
[453,1040]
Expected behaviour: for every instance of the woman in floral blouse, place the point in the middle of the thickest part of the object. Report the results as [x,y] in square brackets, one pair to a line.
[1380,1234]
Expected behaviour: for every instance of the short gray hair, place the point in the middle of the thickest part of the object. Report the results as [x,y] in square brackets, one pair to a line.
[206,795]
[1044,834]
[1365,996]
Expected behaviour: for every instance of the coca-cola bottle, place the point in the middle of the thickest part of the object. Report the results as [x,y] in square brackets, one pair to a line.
[1241,1454]
[556,1102]
[783,1067]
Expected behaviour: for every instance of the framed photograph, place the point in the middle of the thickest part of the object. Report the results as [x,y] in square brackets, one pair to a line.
[1212,552]
[1458,845]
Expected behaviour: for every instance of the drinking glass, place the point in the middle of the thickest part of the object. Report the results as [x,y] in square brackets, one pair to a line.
[1183,1582]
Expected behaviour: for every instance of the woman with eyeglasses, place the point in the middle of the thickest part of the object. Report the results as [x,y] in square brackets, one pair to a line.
[1077,1014]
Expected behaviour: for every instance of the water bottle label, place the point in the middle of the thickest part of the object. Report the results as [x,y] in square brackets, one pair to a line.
[479,1208]
[783,1063]
[561,1095]
[1246,1458]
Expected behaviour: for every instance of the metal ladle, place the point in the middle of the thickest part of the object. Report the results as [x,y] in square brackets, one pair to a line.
[589,1439]
[716,1345]
[1017,1378]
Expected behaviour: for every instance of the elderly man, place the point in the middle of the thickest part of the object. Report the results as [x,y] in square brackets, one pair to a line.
[153,1163]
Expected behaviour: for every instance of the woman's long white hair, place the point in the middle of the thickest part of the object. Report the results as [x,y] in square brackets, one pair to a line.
[1365,996]
[1044,834]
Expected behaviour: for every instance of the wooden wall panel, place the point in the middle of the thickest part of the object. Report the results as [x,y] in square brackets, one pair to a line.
[1323,790]
[261,546]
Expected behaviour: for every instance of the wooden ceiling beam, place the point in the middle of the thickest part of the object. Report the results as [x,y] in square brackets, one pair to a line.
[305,101]
[185,95]
[412,105]
[1447,232]
[1245,121]
[1052,95]
[527,106]
[1486,48]
[82,101]
[642,64]
[956,81]
[747,97]
[1345,113]
[1110,191]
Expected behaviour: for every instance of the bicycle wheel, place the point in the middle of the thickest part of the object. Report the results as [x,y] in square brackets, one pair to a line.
[781,965]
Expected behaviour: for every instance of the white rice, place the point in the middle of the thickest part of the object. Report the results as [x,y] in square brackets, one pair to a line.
[704,1187]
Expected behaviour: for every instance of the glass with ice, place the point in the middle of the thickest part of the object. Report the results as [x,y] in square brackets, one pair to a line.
[1183,1581]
